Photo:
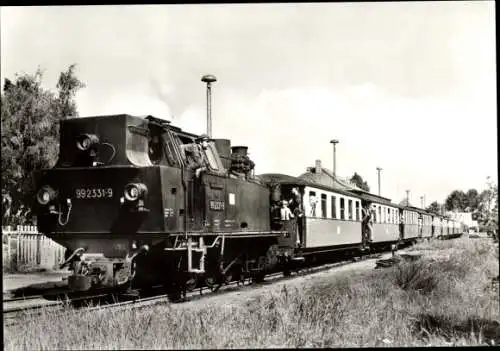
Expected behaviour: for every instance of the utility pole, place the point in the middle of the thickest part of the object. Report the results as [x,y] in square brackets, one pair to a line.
[407,197]
[334,142]
[379,169]
[209,79]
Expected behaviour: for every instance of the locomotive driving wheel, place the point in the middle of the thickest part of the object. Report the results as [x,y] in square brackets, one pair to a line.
[191,283]
[213,282]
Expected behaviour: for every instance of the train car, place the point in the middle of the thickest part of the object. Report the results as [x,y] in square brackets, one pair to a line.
[436,226]
[457,229]
[446,227]
[386,229]
[411,229]
[426,219]
[331,218]
[126,203]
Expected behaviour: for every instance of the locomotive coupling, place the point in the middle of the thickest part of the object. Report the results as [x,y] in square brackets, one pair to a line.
[78,251]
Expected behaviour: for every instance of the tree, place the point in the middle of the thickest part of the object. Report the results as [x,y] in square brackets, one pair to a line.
[434,207]
[358,180]
[30,130]
[472,199]
[489,206]
[456,201]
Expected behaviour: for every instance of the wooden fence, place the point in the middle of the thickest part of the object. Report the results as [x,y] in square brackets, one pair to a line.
[26,249]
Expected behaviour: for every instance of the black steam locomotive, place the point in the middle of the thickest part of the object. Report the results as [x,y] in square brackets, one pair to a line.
[125,203]
[131,212]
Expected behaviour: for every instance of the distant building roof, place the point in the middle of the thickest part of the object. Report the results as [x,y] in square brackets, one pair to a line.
[326,178]
[405,202]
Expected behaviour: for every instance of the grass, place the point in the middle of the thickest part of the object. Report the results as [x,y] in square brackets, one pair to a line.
[452,300]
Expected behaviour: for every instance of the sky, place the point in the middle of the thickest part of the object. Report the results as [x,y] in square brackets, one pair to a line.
[409,87]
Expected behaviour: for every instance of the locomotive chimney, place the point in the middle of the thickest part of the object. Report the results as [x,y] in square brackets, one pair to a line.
[240,150]
[318,167]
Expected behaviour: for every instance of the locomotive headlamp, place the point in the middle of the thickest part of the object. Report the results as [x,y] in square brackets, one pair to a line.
[85,141]
[135,191]
[45,195]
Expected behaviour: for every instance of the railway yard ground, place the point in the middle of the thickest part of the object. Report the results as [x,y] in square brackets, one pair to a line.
[438,293]
[15,283]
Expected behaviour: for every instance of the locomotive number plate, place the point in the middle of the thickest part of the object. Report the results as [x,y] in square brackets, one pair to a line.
[217,205]
[94,193]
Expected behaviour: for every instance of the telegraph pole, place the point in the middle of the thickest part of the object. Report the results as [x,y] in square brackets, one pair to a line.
[334,142]
[379,169]
[209,79]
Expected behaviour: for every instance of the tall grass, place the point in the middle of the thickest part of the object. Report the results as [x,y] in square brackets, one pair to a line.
[426,302]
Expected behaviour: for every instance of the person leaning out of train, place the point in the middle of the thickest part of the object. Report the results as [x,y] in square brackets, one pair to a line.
[285,213]
[194,154]
[295,203]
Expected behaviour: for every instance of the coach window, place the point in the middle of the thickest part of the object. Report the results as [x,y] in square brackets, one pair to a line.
[323,205]
[334,207]
[357,210]
[349,210]
[342,209]
[379,214]
[312,203]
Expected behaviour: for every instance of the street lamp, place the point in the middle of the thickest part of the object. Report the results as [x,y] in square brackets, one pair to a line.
[379,169]
[209,79]
[334,142]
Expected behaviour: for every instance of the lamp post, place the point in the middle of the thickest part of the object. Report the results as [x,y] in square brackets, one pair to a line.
[379,169]
[209,79]
[334,142]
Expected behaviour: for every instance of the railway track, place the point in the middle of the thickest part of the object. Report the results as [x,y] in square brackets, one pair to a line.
[33,306]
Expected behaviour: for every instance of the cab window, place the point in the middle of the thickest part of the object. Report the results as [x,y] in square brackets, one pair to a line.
[212,157]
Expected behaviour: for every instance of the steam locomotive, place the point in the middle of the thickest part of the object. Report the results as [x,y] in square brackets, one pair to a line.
[131,212]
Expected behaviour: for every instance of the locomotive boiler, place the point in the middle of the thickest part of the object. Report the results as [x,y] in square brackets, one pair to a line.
[124,201]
